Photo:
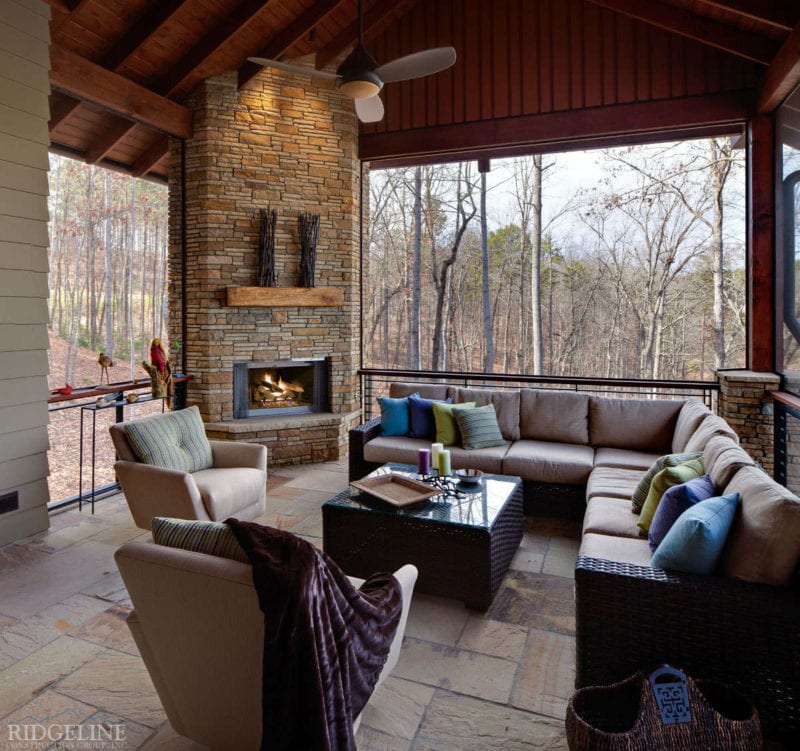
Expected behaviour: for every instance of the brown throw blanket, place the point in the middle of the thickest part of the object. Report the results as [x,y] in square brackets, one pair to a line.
[325,642]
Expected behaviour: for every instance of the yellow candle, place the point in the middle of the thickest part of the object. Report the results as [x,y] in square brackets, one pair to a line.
[444,462]
[436,448]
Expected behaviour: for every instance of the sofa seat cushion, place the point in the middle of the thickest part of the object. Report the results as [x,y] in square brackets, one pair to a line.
[691,415]
[394,449]
[624,458]
[506,407]
[545,461]
[639,424]
[611,548]
[764,543]
[610,516]
[710,426]
[486,460]
[553,415]
[613,482]
[224,491]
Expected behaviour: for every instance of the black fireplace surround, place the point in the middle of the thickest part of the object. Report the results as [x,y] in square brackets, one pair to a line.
[280,387]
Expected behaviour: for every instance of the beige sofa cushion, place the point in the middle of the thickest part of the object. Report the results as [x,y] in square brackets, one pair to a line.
[613,482]
[723,458]
[486,460]
[506,406]
[561,416]
[691,415]
[610,516]
[764,543]
[710,426]
[394,449]
[545,461]
[398,390]
[640,424]
[613,548]
[222,490]
[625,458]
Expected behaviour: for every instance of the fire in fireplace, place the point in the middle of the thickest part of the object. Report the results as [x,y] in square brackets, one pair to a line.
[279,387]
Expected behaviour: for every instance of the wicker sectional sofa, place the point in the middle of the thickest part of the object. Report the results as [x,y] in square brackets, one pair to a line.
[582,456]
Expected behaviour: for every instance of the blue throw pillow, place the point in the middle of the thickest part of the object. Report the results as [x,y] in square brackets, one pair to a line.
[421,410]
[694,543]
[395,418]
[674,502]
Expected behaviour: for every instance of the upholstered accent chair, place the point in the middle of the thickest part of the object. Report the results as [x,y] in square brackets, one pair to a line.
[167,467]
[199,629]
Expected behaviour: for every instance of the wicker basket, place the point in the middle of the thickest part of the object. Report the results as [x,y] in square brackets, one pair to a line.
[666,711]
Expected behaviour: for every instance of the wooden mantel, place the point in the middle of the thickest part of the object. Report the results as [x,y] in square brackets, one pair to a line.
[284,297]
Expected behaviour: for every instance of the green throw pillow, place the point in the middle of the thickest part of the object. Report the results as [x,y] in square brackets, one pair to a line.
[478,427]
[213,538]
[643,488]
[664,480]
[175,440]
[446,427]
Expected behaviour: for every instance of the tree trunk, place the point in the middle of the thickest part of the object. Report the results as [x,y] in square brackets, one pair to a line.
[416,285]
[109,339]
[536,265]
[488,363]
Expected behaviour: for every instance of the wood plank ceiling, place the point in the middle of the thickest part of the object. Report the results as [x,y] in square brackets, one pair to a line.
[121,69]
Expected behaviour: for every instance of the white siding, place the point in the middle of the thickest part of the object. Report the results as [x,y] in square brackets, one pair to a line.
[24,140]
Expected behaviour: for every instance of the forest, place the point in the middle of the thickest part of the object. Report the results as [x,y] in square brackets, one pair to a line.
[621,263]
[108,266]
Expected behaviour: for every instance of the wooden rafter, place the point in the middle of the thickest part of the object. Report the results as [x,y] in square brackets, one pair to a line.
[242,15]
[290,35]
[782,14]
[683,22]
[349,34]
[782,76]
[151,156]
[62,110]
[102,146]
[83,79]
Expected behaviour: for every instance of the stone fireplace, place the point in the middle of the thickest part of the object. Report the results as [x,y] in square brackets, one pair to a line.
[281,143]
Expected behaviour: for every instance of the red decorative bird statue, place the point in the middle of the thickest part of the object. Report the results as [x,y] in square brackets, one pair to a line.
[157,356]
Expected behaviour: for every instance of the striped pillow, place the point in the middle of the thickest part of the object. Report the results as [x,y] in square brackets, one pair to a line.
[175,440]
[643,487]
[213,538]
[478,427]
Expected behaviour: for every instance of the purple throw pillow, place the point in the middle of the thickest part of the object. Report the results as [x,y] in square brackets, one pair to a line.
[675,501]
[422,422]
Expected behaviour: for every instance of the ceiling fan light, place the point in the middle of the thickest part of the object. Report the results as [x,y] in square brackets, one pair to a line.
[361,88]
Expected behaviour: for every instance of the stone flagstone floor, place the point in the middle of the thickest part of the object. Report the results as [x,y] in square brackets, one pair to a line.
[466,681]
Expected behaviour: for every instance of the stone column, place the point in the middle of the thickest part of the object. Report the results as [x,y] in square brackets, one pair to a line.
[745,403]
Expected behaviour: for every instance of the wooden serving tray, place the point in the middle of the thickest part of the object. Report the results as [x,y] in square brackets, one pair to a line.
[398,490]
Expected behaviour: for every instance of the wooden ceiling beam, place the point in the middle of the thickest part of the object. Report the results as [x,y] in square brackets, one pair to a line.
[83,79]
[141,31]
[289,36]
[712,33]
[242,15]
[105,143]
[782,14]
[782,76]
[61,110]
[349,34]
[151,156]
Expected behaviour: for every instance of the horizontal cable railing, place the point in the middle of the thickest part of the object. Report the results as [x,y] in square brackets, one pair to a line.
[375,382]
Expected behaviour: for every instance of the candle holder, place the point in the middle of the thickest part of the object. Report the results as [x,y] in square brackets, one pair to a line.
[446,485]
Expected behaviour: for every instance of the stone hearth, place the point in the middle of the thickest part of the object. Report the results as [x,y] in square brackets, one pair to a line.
[274,144]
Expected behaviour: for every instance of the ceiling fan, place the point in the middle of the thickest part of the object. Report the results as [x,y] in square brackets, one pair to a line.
[361,78]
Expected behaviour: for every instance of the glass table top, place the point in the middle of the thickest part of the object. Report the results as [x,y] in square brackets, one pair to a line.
[473,505]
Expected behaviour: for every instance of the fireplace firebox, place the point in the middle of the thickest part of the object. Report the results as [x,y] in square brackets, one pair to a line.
[280,387]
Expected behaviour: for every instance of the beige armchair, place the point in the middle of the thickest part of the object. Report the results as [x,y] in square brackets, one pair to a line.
[235,485]
[198,627]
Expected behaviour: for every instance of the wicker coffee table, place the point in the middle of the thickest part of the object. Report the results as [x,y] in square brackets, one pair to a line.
[461,546]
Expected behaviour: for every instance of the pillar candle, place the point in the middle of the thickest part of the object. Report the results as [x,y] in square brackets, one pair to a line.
[435,449]
[444,463]
[424,461]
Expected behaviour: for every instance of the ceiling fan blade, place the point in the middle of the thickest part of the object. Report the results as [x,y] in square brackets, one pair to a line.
[289,68]
[417,65]
[369,110]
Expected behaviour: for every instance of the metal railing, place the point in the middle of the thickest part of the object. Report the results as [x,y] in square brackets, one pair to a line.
[375,382]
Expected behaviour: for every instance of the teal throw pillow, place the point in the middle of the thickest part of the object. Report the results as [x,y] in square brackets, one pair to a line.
[643,488]
[175,440]
[395,415]
[695,541]
[478,427]
[199,536]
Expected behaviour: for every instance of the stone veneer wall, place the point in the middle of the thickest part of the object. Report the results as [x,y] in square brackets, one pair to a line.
[274,144]
[746,405]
